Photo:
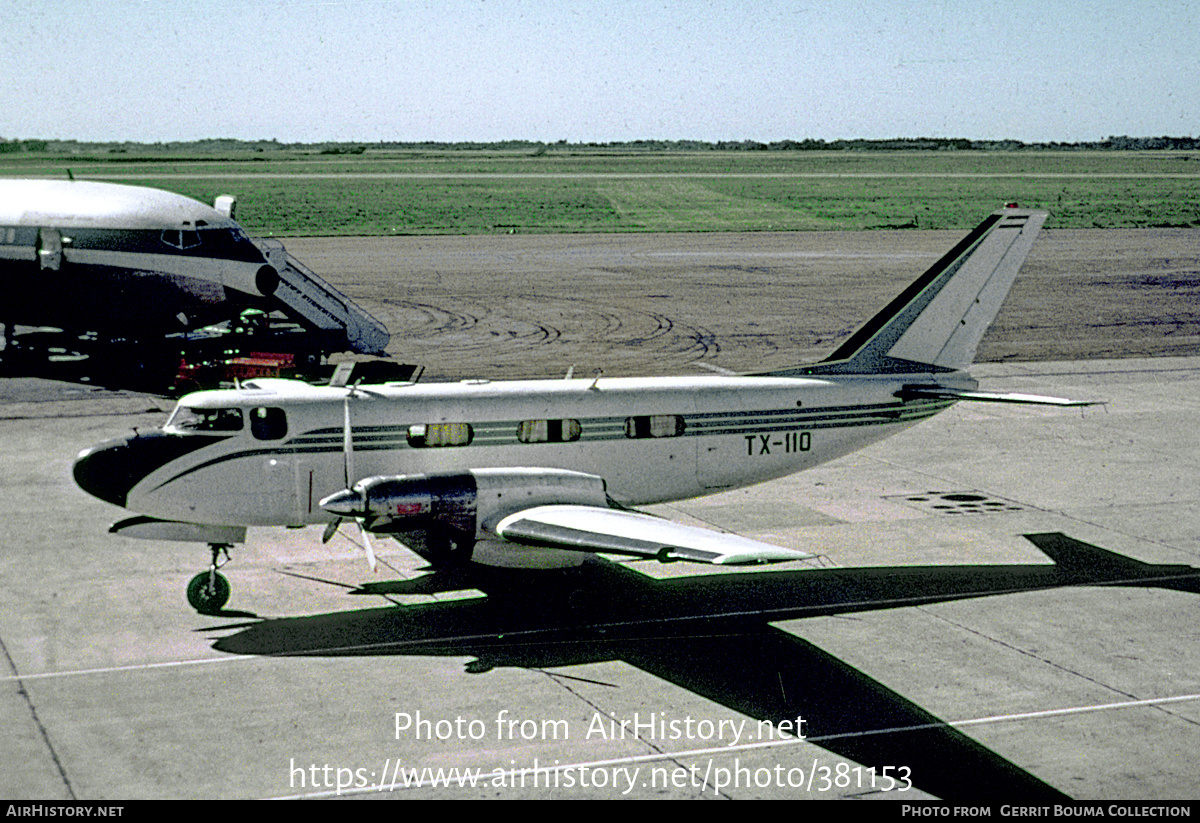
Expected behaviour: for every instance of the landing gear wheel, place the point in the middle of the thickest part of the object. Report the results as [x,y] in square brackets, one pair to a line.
[208,592]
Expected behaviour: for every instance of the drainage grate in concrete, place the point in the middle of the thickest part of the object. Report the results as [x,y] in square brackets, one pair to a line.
[972,502]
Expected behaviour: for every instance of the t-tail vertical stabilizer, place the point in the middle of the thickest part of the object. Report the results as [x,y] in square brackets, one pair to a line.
[937,322]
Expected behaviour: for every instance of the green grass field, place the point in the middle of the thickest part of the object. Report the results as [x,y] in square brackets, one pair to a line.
[294,192]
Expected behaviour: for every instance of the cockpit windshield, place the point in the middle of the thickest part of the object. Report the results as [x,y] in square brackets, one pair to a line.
[185,419]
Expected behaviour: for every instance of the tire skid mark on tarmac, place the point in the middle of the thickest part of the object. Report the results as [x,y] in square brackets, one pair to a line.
[508,325]
[435,319]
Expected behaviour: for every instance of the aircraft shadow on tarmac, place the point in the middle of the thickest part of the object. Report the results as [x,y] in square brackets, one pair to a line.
[711,636]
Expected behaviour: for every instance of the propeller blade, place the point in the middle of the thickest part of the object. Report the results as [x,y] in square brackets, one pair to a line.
[367,547]
[330,529]
[347,498]
[347,444]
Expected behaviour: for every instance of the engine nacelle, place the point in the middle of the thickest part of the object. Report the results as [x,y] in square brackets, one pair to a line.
[441,516]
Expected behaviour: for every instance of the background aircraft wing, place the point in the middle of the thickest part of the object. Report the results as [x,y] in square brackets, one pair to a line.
[616,531]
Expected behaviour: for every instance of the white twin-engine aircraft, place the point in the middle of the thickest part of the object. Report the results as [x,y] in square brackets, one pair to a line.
[536,473]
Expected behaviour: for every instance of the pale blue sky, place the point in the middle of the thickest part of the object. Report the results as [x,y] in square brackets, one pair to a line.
[367,70]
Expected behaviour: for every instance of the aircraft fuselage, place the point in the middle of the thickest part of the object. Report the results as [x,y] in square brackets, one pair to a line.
[268,453]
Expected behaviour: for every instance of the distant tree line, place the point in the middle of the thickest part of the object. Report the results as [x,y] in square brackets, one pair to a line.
[217,145]
[13,146]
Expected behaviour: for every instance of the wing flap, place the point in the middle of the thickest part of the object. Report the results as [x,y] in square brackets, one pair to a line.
[615,531]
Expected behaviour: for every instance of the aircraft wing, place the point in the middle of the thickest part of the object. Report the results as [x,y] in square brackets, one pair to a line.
[616,531]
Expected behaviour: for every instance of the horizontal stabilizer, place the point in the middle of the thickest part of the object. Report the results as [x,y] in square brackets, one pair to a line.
[614,531]
[936,393]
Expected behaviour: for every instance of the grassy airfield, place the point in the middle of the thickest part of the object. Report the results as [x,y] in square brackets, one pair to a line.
[289,192]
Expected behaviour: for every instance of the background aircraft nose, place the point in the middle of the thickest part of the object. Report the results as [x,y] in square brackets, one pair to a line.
[112,468]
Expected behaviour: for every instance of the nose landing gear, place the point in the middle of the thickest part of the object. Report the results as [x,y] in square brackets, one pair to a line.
[209,591]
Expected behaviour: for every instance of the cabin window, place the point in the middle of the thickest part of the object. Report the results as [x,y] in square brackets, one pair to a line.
[548,431]
[206,420]
[654,425]
[433,435]
[268,423]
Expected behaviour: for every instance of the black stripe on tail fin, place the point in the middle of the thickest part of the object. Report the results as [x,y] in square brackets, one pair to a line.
[937,322]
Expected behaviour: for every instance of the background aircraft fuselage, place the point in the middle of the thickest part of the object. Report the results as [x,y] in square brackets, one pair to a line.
[122,261]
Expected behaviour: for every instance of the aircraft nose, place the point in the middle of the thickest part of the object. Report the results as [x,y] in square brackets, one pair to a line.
[111,469]
[105,471]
